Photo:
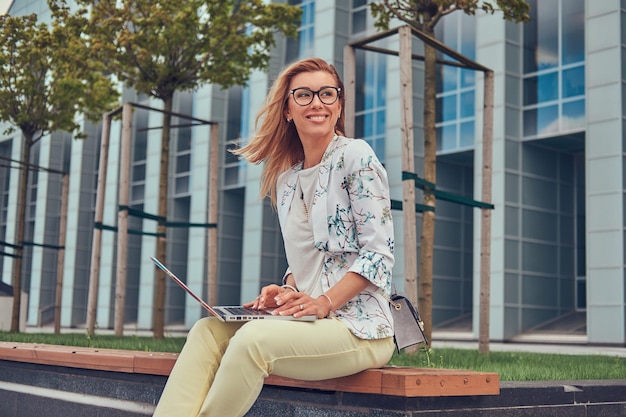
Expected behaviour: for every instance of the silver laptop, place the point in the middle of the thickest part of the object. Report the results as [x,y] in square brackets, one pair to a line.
[231,313]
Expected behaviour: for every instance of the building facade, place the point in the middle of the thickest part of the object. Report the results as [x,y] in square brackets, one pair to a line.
[558,228]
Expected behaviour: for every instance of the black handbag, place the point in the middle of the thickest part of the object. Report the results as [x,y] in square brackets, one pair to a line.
[408,327]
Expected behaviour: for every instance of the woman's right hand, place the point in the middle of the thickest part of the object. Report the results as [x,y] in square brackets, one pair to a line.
[267,297]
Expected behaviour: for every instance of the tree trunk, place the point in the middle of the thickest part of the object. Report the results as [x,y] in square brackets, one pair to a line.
[161,249]
[408,164]
[58,296]
[20,224]
[485,225]
[122,220]
[427,239]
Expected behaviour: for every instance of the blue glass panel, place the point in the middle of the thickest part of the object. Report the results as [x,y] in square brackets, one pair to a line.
[467,134]
[446,136]
[359,98]
[581,294]
[541,40]
[380,122]
[468,32]
[370,85]
[450,33]
[310,13]
[368,125]
[183,163]
[379,148]
[359,21]
[467,104]
[449,75]
[310,35]
[547,118]
[448,107]
[245,112]
[573,32]
[530,122]
[547,87]
[574,115]
[530,39]
[574,82]
[548,34]
[358,126]
[468,78]
[541,88]
[381,83]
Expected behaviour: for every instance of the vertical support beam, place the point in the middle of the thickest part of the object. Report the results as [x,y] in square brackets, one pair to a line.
[349,83]
[408,164]
[122,219]
[214,152]
[58,299]
[96,246]
[485,225]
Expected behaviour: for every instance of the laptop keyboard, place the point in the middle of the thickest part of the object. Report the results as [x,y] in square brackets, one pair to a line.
[242,311]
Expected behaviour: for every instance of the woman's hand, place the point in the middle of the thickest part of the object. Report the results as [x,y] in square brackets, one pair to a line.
[298,304]
[267,298]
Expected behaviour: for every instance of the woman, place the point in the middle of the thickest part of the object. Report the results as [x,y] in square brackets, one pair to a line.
[331,195]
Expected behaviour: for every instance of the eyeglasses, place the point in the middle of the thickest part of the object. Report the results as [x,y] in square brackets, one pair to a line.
[304,96]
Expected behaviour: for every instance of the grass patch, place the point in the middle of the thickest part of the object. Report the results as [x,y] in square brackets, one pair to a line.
[511,366]
[520,366]
[146,344]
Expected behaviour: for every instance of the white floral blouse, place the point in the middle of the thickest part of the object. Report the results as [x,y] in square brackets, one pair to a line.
[352,224]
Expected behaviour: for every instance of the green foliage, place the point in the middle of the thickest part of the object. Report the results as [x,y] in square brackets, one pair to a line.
[519,366]
[424,14]
[43,82]
[160,47]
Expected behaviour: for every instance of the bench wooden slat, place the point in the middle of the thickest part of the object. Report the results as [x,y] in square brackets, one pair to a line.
[390,380]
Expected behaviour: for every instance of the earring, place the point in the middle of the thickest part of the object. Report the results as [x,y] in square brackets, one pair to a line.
[288,120]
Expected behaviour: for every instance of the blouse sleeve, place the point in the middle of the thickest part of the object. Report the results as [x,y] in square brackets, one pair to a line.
[368,190]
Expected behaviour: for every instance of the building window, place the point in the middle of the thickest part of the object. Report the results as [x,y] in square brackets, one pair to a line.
[370,100]
[554,68]
[360,12]
[138,163]
[456,87]
[5,181]
[182,150]
[303,45]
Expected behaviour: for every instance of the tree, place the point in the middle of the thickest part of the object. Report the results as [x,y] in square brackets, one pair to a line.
[162,47]
[423,15]
[43,86]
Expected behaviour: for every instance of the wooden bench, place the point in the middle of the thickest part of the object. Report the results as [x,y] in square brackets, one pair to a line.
[390,380]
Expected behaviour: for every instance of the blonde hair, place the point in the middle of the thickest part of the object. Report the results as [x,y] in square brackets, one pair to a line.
[276,141]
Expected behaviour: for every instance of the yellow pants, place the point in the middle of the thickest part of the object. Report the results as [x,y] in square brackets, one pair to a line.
[221,368]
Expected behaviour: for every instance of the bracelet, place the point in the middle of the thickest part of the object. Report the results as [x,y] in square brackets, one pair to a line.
[291,287]
[329,300]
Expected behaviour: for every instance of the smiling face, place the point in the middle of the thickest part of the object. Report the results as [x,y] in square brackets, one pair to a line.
[316,120]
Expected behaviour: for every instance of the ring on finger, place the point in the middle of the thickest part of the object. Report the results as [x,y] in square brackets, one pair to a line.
[301,307]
